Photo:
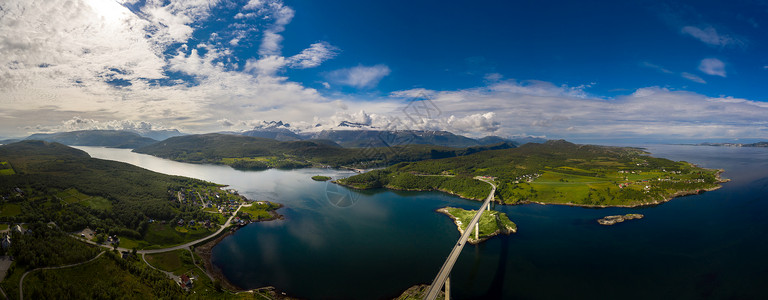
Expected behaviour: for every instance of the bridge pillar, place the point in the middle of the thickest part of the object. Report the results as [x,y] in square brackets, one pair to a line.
[448,288]
[477,231]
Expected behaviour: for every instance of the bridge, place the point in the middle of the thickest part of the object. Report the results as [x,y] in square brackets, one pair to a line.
[443,277]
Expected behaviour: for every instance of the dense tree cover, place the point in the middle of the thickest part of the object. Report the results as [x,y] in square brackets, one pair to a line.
[215,148]
[109,277]
[599,168]
[44,246]
[462,185]
[136,194]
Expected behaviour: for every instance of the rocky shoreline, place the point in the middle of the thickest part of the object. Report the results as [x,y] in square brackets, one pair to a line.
[657,202]
[204,251]
[502,230]
[610,220]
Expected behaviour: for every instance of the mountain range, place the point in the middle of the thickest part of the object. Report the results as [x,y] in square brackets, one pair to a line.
[277,130]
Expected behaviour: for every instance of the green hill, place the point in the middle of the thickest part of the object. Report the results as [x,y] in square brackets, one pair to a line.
[114,196]
[105,138]
[244,152]
[554,172]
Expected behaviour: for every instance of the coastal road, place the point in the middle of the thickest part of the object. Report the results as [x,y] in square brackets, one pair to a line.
[445,271]
[182,246]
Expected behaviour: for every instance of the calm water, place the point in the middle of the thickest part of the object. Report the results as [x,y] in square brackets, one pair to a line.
[712,245]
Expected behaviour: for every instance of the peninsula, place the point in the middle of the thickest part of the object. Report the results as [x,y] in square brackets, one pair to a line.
[555,172]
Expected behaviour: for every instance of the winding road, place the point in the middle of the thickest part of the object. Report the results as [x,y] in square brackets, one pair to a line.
[182,246]
[445,271]
[21,281]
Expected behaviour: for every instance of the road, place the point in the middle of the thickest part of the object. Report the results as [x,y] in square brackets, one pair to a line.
[445,271]
[21,281]
[182,246]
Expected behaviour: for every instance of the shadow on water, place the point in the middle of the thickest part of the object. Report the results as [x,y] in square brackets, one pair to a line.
[497,283]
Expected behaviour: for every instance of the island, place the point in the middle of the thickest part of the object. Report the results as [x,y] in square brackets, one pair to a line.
[610,220]
[555,172]
[320,178]
[492,223]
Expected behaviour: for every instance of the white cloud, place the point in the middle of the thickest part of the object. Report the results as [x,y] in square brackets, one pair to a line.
[476,123]
[313,56]
[692,77]
[57,59]
[686,75]
[656,67]
[360,76]
[548,109]
[712,66]
[254,4]
[268,65]
[225,122]
[78,123]
[281,15]
[710,36]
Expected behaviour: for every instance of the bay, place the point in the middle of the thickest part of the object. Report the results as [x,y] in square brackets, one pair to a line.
[340,244]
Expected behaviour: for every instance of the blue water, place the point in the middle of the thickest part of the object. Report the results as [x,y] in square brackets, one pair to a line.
[708,246]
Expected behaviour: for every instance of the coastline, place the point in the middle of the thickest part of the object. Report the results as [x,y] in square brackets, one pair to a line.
[656,202]
[204,251]
[472,240]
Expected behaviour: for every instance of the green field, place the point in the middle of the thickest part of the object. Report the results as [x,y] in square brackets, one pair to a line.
[72,195]
[556,172]
[6,169]
[490,221]
[163,236]
[10,210]
[180,262]
[230,160]
[259,211]
[173,261]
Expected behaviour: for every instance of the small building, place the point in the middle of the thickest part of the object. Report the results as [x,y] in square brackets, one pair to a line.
[17,229]
[186,281]
[6,242]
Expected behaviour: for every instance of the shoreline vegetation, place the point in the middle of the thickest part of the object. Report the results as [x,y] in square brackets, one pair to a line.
[492,223]
[611,220]
[320,178]
[556,172]
[204,250]
[74,191]
[253,153]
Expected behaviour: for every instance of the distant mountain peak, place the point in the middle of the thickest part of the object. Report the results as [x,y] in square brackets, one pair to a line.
[353,125]
[272,125]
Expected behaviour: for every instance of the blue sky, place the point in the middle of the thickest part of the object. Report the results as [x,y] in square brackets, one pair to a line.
[579,70]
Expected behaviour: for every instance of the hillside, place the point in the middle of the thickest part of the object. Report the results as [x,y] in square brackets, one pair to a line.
[114,196]
[554,172]
[244,152]
[104,138]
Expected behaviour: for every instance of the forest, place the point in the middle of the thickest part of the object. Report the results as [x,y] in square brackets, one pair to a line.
[253,153]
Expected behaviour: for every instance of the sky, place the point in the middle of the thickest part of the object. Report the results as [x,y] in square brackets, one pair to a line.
[577,70]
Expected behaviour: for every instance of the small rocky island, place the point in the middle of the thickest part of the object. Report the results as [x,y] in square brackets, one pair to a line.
[492,223]
[610,220]
[320,178]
